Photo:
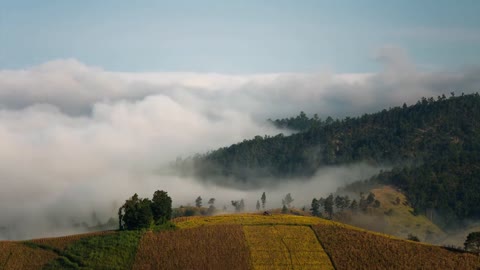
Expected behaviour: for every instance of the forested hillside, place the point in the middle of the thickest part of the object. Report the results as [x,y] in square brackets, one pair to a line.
[433,147]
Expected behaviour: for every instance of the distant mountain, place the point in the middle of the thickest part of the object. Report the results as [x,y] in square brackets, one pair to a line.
[433,147]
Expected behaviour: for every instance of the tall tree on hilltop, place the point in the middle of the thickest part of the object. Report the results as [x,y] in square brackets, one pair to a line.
[161,207]
[287,200]
[328,205]
[315,208]
[198,202]
[211,201]
[264,200]
[135,214]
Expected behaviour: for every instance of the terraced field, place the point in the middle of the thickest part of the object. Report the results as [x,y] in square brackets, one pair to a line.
[285,247]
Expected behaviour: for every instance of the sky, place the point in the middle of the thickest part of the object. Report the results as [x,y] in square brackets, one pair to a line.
[238,36]
[97,98]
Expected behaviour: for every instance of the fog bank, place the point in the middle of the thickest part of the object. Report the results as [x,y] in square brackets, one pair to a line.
[76,139]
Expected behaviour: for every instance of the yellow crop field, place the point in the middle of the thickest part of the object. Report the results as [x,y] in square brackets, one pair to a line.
[16,255]
[285,247]
[246,219]
[63,242]
[206,247]
[350,248]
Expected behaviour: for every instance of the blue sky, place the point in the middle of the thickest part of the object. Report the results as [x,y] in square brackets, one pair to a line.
[238,36]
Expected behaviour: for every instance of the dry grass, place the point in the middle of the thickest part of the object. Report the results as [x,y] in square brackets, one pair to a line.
[401,221]
[357,249]
[206,247]
[61,243]
[246,219]
[16,255]
[285,247]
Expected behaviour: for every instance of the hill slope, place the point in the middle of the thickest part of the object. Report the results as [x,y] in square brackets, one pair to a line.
[243,241]
[433,146]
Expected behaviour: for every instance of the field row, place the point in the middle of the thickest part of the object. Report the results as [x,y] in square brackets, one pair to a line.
[356,249]
[206,247]
[289,247]
[246,219]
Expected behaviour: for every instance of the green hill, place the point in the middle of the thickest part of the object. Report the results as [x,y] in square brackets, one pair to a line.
[433,147]
[240,241]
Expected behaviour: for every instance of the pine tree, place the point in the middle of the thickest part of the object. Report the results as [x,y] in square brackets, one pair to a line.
[198,202]
[264,200]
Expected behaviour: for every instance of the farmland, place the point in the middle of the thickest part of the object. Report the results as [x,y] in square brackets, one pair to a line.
[61,243]
[350,248]
[240,241]
[285,247]
[16,255]
[104,251]
[247,219]
[206,247]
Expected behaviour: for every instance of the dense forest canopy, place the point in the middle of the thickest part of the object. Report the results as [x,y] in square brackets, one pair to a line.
[433,147]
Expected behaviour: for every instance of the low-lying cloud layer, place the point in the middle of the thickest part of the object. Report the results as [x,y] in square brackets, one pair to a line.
[75,138]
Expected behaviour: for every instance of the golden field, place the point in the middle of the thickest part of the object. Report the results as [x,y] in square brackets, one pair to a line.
[285,247]
[246,219]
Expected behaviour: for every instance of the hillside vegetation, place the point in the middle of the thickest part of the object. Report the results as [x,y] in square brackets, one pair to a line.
[250,241]
[398,218]
[432,145]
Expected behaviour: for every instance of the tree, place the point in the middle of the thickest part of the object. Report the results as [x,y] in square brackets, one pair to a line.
[239,205]
[264,200]
[161,207]
[211,209]
[287,200]
[473,242]
[315,208]
[328,205]
[339,201]
[284,209]
[354,205]
[211,201]
[370,198]
[258,205]
[198,202]
[135,214]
